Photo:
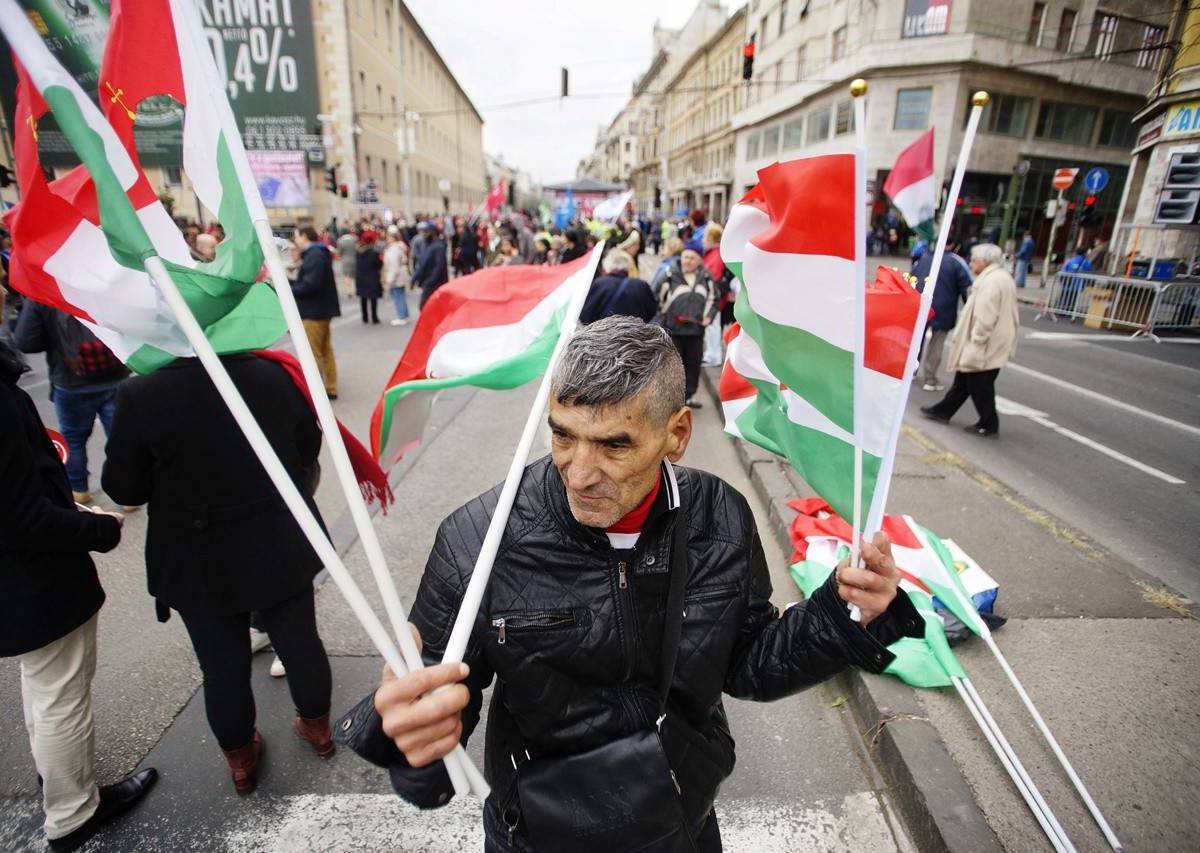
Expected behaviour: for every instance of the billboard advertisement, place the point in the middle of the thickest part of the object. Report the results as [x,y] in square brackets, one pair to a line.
[264,51]
[925,18]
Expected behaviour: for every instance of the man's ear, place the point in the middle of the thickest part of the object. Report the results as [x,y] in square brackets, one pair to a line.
[679,433]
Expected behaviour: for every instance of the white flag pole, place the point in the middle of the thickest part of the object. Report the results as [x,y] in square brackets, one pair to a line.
[978,101]
[189,13]
[1039,804]
[858,90]
[456,647]
[1013,767]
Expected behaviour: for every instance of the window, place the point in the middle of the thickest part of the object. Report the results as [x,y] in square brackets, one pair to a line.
[383,170]
[752,146]
[1116,130]
[1066,30]
[1152,38]
[1065,123]
[379,96]
[174,176]
[1106,35]
[843,121]
[1036,19]
[793,134]
[770,141]
[800,60]
[777,76]
[762,30]
[1005,114]
[912,109]
[818,125]
[782,16]
[838,50]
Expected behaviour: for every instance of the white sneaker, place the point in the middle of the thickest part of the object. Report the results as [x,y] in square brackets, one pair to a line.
[277,670]
[400,321]
[259,640]
[934,386]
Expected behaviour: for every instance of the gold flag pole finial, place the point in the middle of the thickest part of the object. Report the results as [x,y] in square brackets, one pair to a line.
[980,99]
[858,87]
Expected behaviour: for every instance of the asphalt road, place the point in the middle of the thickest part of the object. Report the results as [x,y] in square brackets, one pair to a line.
[802,779]
[1103,432]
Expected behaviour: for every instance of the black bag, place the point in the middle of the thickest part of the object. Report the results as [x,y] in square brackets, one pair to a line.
[622,796]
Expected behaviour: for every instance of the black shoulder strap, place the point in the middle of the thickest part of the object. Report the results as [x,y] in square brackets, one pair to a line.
[673,625]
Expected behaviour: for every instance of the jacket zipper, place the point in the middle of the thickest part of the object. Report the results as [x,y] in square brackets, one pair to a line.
[711,592]
[538,622]
[499,623]
[625,613]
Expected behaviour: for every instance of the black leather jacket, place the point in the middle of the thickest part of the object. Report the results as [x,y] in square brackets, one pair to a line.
[570,630]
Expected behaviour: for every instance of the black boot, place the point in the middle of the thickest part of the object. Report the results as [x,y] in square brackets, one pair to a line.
[115,800]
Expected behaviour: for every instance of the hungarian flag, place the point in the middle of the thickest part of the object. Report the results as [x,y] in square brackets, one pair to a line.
[789,378]
[495,328]
[81,240]
[910,185]
[929,576]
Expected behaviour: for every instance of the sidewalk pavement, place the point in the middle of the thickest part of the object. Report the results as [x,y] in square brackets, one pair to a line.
[1107,655]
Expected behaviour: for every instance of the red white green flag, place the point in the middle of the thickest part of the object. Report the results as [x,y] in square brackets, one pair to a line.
[495,328]
[790,376]
[81,240]
[910,185]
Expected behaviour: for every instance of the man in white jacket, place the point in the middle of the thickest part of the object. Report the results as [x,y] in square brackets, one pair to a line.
[984,340]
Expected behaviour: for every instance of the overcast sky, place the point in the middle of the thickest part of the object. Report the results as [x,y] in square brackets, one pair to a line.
[513,52]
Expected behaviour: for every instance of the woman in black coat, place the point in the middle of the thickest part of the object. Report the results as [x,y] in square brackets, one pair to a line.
[368,275]
[221,543]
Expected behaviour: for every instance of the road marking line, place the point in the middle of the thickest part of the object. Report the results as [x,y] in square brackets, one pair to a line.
[1117,404]
[1006,406]
[1084,336]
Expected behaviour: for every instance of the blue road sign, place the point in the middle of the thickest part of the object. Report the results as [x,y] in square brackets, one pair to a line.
[1096,179]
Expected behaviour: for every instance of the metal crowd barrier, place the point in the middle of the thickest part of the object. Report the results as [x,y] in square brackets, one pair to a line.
[1137,305]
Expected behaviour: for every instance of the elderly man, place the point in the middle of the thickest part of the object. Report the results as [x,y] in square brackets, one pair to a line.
[984,340]
[627,596]
[618,291]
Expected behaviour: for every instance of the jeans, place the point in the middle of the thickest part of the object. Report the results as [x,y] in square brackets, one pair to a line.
[222,645]
[56,689]
[1022,272]
[400,300]
[77,410]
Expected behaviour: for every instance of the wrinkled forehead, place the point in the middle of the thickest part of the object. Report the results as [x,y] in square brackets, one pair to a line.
[597,422]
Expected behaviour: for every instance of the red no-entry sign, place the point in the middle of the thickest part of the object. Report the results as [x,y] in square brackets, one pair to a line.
[1063,178]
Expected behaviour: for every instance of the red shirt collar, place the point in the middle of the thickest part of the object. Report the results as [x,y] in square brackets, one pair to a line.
[635,519]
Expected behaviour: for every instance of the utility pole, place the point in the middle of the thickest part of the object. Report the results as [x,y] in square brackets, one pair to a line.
[1059,213]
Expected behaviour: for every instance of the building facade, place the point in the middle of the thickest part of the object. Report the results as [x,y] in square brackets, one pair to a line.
[1160,220]
[1065,79]
[700,102]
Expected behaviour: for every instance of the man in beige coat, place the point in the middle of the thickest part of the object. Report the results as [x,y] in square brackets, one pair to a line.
[984,340]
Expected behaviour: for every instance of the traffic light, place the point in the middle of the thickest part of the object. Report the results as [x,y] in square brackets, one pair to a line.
[344,191]
[331,182]
[563,92]
[748,60]
[6,177]
[1089,215]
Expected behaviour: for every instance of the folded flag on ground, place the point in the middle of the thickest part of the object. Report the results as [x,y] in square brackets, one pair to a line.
[789,378]
[84,236]
[495,328]
[930,574]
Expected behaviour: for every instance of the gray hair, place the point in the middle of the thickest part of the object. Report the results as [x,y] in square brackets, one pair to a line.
[989,253]
[614,360]
[617,259]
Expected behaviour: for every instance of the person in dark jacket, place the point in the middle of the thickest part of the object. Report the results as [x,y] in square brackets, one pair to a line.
[618,292]
[429,270]
[221,543]
[317,298]
[953,282]
[570,623]
[688,296]
[84,375]
[50,599]
[368,281]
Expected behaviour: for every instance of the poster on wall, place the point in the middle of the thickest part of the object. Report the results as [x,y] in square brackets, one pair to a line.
[282,177]
[264,51]
[925,18]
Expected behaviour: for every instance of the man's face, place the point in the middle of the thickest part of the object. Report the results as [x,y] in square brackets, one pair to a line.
[300,240]
[977,266]
[609,458]
[689,261]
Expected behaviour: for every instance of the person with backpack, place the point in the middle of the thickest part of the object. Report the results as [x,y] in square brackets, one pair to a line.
[688,296]
[84,375]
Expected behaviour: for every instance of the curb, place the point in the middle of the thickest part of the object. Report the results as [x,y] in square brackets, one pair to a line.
[927,787]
